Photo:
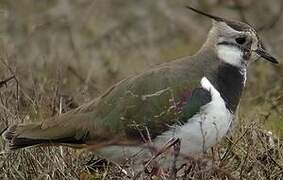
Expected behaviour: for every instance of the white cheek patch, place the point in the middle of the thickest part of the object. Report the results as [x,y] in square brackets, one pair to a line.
[230,54]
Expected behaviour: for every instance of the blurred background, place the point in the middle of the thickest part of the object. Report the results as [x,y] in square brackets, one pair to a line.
[71,51]
[58,54]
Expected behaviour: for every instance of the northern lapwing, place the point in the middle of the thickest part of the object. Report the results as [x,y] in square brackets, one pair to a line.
[193,99]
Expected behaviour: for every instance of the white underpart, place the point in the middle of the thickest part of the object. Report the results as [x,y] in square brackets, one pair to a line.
[205,129]
[201,132]
[231,55]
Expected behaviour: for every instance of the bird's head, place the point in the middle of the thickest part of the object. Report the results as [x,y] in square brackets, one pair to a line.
[235,43]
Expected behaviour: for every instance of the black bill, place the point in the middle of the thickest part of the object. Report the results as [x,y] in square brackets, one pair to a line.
[264,54]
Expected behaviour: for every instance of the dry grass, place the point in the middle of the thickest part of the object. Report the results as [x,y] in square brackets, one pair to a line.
[57,61]
[252,153]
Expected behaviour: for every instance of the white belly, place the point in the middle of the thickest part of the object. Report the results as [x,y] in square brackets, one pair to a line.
[199,133]
[204,129]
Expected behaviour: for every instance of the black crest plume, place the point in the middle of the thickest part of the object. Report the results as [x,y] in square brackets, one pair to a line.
[216,18]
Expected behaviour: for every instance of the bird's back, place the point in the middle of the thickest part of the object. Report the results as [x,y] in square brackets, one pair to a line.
[137,108]
[151,101]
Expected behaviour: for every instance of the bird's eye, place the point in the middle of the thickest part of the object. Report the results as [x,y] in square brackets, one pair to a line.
[241,40]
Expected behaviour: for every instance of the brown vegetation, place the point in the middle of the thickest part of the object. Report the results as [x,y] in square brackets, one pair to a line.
[55,55]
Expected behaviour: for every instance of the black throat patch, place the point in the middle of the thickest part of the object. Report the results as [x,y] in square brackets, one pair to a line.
[229,81]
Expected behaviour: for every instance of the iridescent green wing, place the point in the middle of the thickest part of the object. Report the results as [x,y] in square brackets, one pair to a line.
[151,102]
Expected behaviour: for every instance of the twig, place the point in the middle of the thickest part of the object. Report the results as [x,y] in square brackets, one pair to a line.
[236,141]
[17,82]
[80,78]
[173,170]
[223,172]
[169,144]
[4,82]
[166,146]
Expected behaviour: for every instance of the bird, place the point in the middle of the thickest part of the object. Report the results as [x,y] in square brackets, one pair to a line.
[193,99]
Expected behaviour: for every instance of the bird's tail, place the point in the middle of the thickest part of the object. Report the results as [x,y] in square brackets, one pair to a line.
[24,135]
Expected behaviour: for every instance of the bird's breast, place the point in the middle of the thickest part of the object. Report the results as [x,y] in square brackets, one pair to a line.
[200,132]
[204,129]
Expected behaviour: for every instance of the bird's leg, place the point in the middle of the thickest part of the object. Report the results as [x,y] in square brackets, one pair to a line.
[215,154]
[173,169]
[165,147]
